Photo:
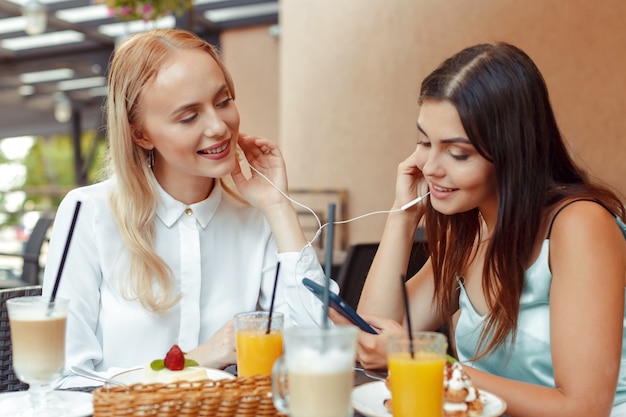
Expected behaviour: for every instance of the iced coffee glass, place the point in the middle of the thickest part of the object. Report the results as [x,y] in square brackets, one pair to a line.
[38,343]
[315,375]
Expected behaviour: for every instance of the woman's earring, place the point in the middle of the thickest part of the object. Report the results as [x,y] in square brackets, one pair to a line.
[151,158]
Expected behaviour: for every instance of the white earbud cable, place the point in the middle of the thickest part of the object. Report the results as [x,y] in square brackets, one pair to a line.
[319,223]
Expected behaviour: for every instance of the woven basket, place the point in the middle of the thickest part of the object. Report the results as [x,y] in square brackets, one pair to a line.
[239,397]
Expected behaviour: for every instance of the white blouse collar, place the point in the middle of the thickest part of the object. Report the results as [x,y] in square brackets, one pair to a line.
[170,209]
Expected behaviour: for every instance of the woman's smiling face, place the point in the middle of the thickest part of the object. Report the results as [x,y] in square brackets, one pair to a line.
[459,178]
[190,118]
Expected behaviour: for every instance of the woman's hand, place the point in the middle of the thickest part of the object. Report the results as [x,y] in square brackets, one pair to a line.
[219,351]
[266,161]
[372,349]
[410,182]
[263,156]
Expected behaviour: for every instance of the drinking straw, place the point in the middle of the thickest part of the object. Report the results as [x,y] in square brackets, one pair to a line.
[328,264]
[269,321]
[408,316]
[64,256]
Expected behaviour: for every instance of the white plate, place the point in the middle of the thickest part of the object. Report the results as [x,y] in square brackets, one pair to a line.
[78,404]
[368,400]
[135,376]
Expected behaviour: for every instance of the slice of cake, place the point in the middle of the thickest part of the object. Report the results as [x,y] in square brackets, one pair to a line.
[462,398]
[167,376]
[175,367]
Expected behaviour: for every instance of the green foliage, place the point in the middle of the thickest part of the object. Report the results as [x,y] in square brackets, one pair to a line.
[50,173]
[146,9]
[50,168]
[3,158]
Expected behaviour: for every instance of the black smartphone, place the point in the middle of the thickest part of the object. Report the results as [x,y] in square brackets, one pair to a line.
[340,305]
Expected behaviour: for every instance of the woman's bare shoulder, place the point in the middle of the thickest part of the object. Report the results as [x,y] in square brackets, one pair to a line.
[584,229]
[579,215]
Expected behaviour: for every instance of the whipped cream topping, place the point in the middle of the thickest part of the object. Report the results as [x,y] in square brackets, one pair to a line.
[452,407]
[471,395]
[457,379]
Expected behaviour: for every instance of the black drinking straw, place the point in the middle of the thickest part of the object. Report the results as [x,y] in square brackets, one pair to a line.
[269,321]
[328,264]
[65,250]
[408,315]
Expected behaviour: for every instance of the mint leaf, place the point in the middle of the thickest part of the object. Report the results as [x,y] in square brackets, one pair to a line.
[157,364]
[451,359]
[190,362]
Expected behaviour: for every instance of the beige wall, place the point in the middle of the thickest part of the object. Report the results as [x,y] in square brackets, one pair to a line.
[251,56]
[350,71]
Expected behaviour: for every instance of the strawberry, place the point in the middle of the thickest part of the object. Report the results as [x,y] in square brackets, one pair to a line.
[175,359]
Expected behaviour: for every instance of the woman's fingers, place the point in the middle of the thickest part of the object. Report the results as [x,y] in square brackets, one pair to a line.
[256,146]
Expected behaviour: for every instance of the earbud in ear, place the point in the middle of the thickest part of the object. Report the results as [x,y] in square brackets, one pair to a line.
[414,202]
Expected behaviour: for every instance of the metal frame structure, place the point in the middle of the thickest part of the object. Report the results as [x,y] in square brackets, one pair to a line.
[27,108]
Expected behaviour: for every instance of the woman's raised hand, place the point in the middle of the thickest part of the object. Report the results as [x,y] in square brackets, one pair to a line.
[410,182]
[265,158]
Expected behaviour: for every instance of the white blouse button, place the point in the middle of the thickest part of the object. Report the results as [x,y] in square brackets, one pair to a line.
[188,211]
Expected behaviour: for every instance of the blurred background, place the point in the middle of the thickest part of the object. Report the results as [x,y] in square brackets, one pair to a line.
[334,82]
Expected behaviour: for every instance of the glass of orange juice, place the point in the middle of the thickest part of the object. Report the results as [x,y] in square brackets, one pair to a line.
[416,374]
[259,342]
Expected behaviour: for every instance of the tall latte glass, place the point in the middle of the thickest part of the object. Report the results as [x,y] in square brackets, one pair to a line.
[315,375]
[38,343]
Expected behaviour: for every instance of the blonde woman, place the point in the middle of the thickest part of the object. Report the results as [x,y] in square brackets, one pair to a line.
[163,251]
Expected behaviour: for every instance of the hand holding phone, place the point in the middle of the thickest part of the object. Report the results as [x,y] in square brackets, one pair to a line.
[340,305]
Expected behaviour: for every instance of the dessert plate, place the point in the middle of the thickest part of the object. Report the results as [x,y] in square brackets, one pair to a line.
[135,376]
[368,400]
[76,404]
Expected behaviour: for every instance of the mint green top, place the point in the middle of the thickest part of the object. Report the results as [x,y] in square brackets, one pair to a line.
[529,358]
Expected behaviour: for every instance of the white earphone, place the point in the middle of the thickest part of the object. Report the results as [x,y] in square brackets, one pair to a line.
[319,223]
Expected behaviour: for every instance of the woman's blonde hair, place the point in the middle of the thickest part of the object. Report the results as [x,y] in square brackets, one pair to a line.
[135,199]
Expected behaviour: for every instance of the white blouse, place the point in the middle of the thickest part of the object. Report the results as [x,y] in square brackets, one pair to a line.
[223,258]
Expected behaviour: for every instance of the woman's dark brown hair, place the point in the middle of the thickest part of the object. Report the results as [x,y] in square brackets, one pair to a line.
[503,104]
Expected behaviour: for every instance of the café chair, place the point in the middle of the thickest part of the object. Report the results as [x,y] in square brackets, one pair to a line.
[353,271]
[357,264]
[8,379]
[358,261]
[31,269]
